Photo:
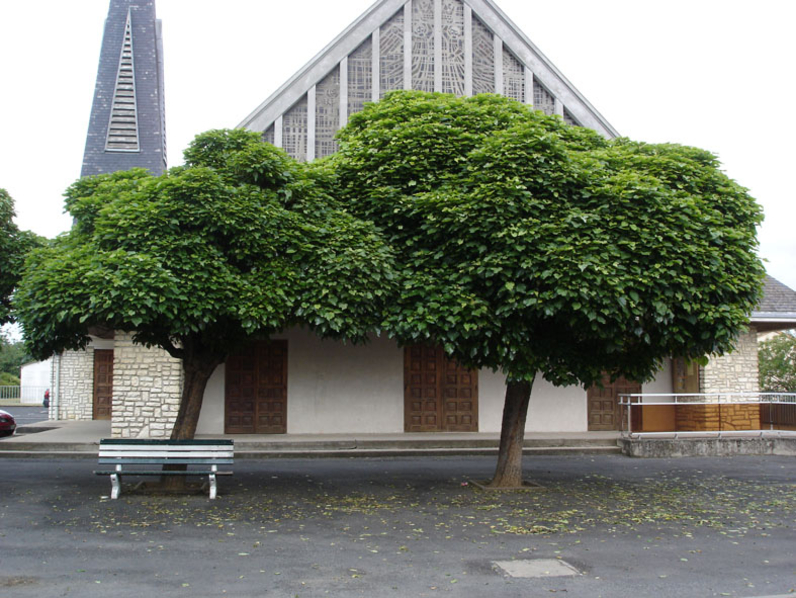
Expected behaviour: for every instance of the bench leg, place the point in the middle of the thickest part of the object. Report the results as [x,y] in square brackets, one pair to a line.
[116,486]
[213,486]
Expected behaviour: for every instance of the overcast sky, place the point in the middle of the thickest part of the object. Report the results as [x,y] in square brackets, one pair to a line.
[717,74]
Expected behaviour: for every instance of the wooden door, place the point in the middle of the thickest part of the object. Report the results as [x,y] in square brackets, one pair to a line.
[439,394]
[255,396]
[103,383]
[685,376]
[603,403]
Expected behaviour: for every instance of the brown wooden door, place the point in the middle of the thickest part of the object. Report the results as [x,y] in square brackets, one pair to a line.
[255,394]
[103,383]
[685,376]
[603,403]
[439,394]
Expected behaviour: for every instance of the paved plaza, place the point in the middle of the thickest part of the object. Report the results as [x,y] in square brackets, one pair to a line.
[601,525]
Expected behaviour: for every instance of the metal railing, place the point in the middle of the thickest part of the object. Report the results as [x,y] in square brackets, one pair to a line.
[776,413]
[10,393]
[22,394]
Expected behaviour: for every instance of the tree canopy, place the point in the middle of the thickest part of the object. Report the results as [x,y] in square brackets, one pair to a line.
[14,245]
[240,242]
[530,246]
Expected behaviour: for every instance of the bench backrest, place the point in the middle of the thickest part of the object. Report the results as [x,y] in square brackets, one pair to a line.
[118,451]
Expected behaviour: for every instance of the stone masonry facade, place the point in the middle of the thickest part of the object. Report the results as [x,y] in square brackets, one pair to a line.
[76,386]
[146,390]
[735,372]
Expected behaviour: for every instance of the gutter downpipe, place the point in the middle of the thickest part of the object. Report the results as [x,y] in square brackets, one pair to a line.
[57,389]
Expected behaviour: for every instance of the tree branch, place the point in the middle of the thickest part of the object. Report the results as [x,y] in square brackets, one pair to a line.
[171,349]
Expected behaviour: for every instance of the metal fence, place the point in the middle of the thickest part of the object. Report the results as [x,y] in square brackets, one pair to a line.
[33,395]
[720,414]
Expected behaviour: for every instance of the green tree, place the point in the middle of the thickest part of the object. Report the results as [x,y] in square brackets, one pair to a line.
[239,243]
[777,362]
[532,247]
[14,245]
[12,357]
[7,379]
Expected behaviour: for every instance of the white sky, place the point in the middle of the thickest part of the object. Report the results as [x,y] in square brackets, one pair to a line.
[717,74]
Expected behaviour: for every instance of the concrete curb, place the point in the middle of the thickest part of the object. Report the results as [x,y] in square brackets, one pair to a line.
[707,447]
[90,452]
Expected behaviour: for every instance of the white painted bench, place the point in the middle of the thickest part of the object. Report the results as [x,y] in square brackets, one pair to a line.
[131,457]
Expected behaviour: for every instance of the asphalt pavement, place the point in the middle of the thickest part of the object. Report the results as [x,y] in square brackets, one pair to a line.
[600,525]
[26,415]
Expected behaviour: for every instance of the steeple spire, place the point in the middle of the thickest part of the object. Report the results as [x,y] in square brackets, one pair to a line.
[127,125]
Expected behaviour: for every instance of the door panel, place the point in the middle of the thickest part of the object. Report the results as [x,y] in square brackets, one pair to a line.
[604,412]
[103,383]
[440,395]
[421,383]
[256,390]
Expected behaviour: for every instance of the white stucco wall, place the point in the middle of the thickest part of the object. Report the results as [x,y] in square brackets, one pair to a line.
[211,418]
[336,388]
[552,409]
[35,378]
[662,382]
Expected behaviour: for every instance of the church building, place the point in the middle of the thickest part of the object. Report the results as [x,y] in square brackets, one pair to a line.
[297,383]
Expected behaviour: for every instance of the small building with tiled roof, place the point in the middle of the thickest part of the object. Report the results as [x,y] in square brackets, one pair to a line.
[777,310]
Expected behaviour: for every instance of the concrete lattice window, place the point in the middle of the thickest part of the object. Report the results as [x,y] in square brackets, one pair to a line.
[268,135]
[453,47]
[513,76]
[327,114]
[391,54]
[294,130]
[542,99]
[423,45]
[360,76]
[569,119]
[483,58]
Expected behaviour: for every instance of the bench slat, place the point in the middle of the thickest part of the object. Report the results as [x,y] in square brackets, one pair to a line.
[144,461]
[147,473]
[135,462]
[167,450]
[166,447]
[161,442]
[167,455]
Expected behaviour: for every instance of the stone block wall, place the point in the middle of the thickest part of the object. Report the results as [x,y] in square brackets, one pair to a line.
[76,387]
[146,390]
[735,372]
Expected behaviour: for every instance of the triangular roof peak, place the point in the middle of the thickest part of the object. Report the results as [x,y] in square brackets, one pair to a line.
[452,46]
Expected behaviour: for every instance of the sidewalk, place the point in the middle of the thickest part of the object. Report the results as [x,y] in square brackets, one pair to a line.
[80,439]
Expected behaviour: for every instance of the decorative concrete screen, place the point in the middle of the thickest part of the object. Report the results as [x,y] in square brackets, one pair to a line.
[450,46]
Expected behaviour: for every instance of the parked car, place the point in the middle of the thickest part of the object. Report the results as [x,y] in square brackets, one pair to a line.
[7,424]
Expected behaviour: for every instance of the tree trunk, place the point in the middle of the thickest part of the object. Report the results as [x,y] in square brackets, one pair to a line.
[197,367]
[196,374]
[508,473]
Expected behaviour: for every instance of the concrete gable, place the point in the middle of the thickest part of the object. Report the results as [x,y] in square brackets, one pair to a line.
[454,46]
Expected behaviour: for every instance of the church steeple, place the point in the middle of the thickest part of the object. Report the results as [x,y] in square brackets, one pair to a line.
[127,125]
